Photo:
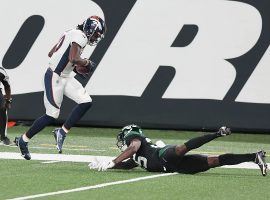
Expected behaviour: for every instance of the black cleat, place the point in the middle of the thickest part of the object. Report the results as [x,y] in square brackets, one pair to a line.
[224,131]
[6,140]
[23,146]
[260,160]
[59,136]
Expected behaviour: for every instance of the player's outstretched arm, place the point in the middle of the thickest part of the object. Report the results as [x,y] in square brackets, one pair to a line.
[128,164]
[134,146]
[127,153]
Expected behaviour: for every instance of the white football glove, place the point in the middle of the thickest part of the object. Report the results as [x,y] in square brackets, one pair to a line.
[103,166]
[94,164]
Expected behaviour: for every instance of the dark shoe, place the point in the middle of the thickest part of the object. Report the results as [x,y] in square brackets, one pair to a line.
[260,160]
[6,140]
[23,146]
[59,136]
[224,131]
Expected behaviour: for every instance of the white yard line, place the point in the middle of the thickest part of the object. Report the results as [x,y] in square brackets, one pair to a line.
[72,149]
[93,186]
[51,161]
[53,157]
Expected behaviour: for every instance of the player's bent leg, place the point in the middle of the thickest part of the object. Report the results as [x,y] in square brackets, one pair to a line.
[37,126]
[194,143]
[199,141]
[73,118]
[51,113]
[77,114]
[75,91]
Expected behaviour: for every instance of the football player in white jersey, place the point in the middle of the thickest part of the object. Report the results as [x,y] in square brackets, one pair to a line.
[59,81]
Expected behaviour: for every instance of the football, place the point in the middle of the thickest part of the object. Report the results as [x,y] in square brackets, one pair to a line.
[82,69]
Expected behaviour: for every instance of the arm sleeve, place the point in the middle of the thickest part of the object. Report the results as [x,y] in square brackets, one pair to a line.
[129,164]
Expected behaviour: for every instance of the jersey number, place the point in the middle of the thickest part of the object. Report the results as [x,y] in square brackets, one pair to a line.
[142,161]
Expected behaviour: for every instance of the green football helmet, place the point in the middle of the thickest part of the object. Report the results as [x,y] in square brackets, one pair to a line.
[126,131]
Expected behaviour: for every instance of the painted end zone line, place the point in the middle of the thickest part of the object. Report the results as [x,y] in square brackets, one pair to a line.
[93,187]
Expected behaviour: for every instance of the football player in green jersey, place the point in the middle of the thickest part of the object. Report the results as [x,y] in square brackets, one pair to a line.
[138,150]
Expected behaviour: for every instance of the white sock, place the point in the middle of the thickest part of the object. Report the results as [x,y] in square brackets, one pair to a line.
[64,129]
[25,138]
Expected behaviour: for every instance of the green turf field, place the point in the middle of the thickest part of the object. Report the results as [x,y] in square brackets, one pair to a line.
[20,178]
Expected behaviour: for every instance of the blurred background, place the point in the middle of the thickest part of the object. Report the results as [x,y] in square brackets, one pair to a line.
[178,64]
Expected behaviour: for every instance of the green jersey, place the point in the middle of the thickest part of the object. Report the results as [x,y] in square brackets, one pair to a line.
[148,154]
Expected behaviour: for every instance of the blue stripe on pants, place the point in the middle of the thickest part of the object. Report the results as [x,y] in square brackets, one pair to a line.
[48,87]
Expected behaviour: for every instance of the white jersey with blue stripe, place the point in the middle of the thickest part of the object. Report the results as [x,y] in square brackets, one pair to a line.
[59,62]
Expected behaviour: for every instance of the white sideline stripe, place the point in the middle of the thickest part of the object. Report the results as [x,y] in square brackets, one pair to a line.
[89,158]
[54,157]
[71,149]
[93,186]
[52,161]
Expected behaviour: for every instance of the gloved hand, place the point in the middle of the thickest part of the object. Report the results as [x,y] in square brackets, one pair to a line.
[103,166]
